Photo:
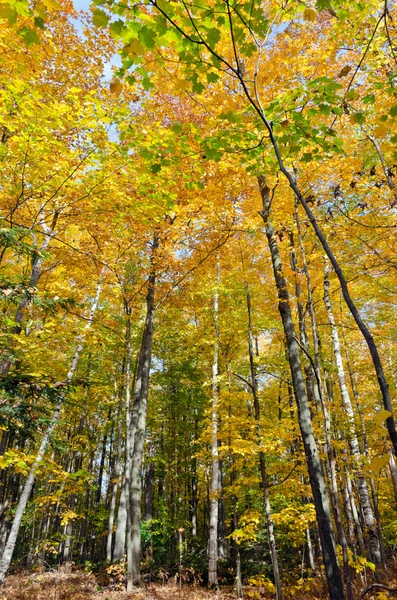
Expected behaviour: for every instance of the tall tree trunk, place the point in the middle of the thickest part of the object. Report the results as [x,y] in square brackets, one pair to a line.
[121,524]
[366,453]
[98,494]
[353,506]
[194,496]
[23,500]
[239,584]
[383,386]
[262,459]
[223,546]
[116,475]
[393,473]
[214,512]
[315,383]
[130,439]
[149,481]
[370,530]
[141,393]
[318,486]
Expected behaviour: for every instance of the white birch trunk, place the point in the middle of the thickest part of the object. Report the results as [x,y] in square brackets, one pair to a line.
[214,509]
[362,487]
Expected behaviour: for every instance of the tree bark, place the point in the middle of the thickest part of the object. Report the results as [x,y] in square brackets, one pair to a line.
[130,439]
[116,483]
[121,524]
[214,511]
[318,486]
[370,530]
[141,393]
[262,459]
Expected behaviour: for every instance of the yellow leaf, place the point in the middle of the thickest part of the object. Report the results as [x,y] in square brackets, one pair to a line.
[181,85]
[310,14]
[41,9]
[52,4]
[346,69]
[379,462]
[116,87]
[134,48]
[381,416]
[381,130]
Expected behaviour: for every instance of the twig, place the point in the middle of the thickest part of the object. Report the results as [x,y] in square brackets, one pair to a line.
[376,586]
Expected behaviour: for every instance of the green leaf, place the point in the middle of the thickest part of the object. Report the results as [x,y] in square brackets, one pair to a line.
[155,168]
[369,99]
[177,127]
[323,4]
[213,36]
[147,36]
[146,83]
[359,118]
[29,36]
[211,77]
[134,48]
[39,22]
[161,24]
[100,18]
[393,111]
[325,109]
[8,13]
[198,87]
[117,27]
[213,154]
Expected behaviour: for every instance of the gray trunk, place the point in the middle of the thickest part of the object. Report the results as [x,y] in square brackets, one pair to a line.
[262,459]
[130,438]
[362,488]
[121,525]
[318,486]
[117,475]
[393,473]
[141,394]
[350,495]
[315,385]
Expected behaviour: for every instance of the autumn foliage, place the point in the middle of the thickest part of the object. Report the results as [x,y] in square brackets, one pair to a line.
[198,241]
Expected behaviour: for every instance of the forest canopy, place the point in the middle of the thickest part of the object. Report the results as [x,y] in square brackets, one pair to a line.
[198,249]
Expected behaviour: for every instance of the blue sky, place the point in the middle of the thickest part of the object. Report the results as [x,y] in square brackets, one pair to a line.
[82,4]
[115,61]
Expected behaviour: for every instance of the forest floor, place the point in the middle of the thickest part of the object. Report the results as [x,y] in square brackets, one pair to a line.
[60,585]
[87,586]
